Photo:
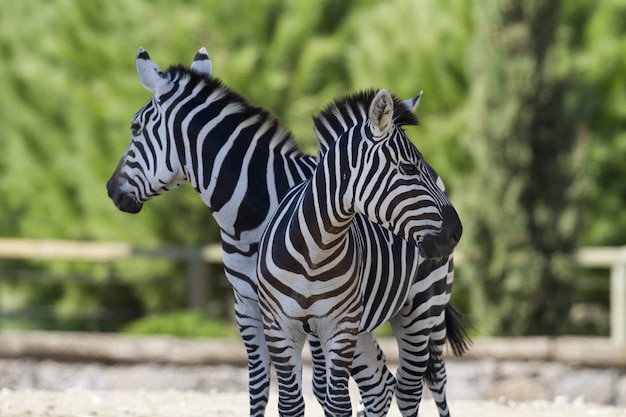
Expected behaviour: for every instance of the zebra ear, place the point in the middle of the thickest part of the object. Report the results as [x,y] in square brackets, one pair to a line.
[381,112]
[202,62]
[412,103]
[149,73]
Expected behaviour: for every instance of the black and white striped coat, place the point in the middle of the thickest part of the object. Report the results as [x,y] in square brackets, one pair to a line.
[241,162]
[237,157]
[324,269]
[435,277]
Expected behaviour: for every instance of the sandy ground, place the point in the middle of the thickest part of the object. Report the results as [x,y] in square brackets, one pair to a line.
[189,404]
[46,388]
[88,390]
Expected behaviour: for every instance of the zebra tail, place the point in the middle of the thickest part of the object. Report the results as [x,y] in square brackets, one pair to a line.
[435,361]
[457,337]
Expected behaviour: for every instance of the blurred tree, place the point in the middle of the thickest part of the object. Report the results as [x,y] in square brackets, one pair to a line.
[69,89]
[398,44]
[604,63]
[523,196]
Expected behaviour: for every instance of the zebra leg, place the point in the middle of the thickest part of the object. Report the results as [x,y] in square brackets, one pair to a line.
[376,383]
[339,352]
[251,330]
[258,373]
[449,326]
[286,355]
[318,364]
[285,340]
[413,357]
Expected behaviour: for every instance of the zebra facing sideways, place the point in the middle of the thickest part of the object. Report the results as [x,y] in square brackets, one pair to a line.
[326,271]
[421,306]
[236,156]
[241,162]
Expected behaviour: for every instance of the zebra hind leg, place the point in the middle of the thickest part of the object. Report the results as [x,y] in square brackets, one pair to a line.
[409,381]
[413,358]
[376,383]
[285,341]
[436,377]
[450,329]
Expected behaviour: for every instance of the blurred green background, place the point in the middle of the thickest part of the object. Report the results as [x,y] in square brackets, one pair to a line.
[523,115]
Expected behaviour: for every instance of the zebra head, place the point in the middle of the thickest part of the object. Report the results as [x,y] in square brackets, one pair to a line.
[388,180]
[150,165]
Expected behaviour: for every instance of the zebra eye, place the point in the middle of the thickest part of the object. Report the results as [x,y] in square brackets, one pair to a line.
[135,129]
[408,169]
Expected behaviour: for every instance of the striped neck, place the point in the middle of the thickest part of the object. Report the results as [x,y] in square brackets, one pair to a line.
[326,208]
[237,156]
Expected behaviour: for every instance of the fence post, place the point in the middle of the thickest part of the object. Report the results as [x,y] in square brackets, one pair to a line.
[618,298]
[197,281]
[1,299]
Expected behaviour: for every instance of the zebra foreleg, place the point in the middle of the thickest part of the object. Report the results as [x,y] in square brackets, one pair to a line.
[289,375]
[251,330]
[339,353]
[318,363]
[285,350]
[376,383]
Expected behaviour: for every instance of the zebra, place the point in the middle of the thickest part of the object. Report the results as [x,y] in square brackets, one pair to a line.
[324,270]
[239,180]
[331,124]
[241,162]
[236,156]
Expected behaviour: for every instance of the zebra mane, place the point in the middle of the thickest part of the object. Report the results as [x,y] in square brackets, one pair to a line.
[176,73]
[350,110]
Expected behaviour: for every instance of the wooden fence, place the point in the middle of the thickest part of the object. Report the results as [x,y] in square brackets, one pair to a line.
[612,258]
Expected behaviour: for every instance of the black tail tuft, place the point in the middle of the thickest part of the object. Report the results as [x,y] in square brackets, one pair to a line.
[458,339]
[435,361]
[456,336]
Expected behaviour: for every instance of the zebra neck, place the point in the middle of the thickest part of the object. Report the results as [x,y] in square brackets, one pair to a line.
[242,172]
[322,216]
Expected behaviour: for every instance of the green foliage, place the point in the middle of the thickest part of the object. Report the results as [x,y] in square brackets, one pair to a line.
[181,324]
[604,64]
[523,197]
[70,89]
[523,115]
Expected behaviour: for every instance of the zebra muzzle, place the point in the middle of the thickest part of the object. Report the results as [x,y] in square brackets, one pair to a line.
[123,201]
[442,244]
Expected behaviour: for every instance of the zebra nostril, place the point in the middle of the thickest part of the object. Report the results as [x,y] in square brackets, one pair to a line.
[452,220]
[456,236]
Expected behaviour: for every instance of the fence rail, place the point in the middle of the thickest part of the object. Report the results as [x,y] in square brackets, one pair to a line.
[612,258]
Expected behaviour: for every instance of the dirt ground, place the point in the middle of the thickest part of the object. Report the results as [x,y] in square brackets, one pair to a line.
[66,375]
[190,404]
